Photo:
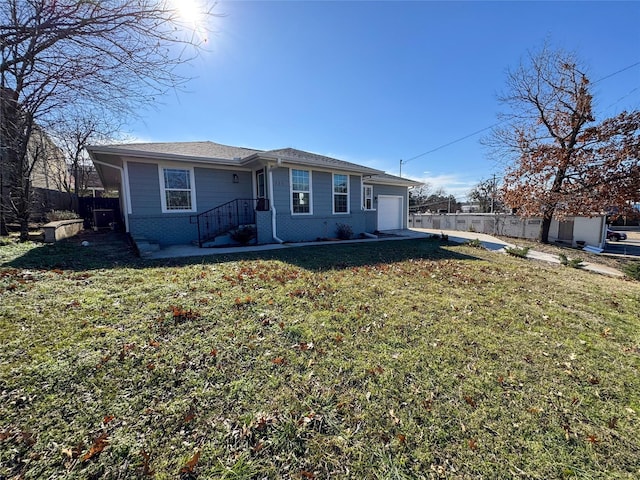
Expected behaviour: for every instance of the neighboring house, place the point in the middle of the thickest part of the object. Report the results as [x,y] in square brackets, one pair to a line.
[48,177]
[195,192]
[88,181]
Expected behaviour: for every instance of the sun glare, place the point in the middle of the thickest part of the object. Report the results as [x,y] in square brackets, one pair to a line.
[190,11]
[192,14]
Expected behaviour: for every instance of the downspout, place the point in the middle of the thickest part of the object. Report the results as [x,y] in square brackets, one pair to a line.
[124,191]
[274,231]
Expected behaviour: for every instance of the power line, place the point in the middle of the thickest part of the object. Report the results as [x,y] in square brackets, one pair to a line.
[403,162]
[452,142]
[616,73]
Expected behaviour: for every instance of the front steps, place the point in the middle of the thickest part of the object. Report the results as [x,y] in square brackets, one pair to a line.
[145,247]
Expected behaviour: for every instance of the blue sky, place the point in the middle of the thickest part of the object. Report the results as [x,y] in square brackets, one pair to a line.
[376,82]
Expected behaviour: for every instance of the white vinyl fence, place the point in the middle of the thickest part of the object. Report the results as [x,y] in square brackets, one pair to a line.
[573,230]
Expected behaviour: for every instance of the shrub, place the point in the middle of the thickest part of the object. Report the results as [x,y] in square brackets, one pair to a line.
[632,270]
[243,235]
[57,215]
[475,243]
[573,263]
[344,231]
[517,251]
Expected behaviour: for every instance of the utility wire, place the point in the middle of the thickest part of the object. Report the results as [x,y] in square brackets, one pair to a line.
[452,142]
[616,73]
[403,162]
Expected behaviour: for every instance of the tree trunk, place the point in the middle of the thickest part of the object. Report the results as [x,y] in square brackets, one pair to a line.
[546,226]
[23,210]
[3,221]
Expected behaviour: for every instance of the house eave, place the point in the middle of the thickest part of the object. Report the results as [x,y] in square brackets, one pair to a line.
[401,182]
[124,152]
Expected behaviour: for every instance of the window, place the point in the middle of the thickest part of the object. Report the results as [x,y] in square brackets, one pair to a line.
[300,191]
[367,197]
[176,185]
[340,193]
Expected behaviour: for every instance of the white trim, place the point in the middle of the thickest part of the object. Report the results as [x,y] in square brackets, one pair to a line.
[126,186]
[291,191]
[333,194]
[274,222]
[192,187]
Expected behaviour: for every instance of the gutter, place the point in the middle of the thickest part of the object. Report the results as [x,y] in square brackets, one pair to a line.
[124,192]
[274,231]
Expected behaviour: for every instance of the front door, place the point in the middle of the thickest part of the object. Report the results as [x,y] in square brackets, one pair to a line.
[262,204]
[261,184]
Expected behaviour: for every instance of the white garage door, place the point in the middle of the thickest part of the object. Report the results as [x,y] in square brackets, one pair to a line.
[389,212]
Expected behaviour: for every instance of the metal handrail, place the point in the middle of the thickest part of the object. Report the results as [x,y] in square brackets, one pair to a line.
[226,217]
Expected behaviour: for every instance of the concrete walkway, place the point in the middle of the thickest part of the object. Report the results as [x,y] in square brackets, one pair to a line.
[179,251]
[489,242]
[495,244]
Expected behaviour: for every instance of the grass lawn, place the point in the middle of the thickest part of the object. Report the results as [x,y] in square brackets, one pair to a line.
[388,360]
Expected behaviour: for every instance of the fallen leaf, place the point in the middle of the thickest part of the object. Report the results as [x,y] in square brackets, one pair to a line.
[190,466]
[146,470]
[259,446]
[98,446]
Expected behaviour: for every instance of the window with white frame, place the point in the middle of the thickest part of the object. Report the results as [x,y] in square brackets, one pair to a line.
[367,197]
[176,185]
[300,191]
[340,193]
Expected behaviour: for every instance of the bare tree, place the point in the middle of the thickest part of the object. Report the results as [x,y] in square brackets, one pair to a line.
[563,163]
[72,135]
[115,55]
[485,194]
[418,196]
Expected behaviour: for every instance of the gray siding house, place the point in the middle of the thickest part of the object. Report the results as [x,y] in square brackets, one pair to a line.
[197,192]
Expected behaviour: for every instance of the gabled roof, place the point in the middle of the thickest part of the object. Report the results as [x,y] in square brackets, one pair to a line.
[216,153]
[291,155]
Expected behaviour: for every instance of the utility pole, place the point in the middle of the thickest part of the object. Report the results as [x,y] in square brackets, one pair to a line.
[493,191]
[400,168]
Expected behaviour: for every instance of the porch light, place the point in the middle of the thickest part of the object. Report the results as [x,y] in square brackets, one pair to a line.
[236,179]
